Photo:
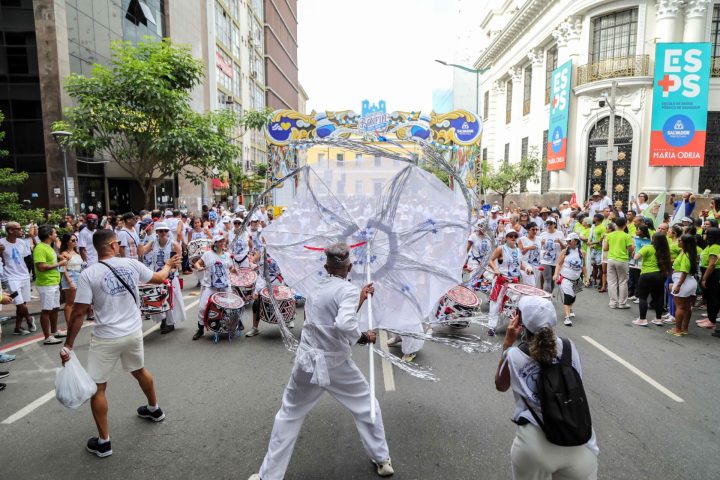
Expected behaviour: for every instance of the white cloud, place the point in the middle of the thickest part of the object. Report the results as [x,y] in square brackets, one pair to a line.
[376,50]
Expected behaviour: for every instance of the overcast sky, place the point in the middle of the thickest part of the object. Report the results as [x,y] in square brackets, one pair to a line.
[375,49]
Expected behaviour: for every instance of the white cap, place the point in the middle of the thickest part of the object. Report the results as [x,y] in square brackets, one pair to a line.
[254,218]
[687,219]
[495,209]
[161,226]
[226,220]
[217,238]
[168,213]
[572,236]
[551,220]
[565,203]
[537,312]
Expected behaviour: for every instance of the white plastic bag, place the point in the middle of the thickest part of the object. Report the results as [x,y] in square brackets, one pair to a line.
[73,385]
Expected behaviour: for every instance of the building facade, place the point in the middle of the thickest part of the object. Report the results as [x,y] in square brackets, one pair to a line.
[607,41]
[281,60]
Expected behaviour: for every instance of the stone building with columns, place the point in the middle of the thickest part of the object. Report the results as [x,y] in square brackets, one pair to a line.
[606,41]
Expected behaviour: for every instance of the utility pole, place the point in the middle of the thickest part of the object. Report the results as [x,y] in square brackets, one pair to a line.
[611,142]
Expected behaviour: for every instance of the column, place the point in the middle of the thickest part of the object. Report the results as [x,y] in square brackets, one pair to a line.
[496,113]
[516,74]
[696,11]
[537,102]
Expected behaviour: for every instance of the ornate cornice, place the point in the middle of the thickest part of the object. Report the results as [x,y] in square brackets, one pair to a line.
[696,8]
[667,8]
[498,87]
[536,57]
[569,30]
[515,74]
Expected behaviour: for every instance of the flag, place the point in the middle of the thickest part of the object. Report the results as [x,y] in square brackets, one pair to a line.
[573,199]
[655,210]
[679,214]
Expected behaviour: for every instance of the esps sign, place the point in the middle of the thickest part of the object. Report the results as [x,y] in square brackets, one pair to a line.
[680,103]
[559,116]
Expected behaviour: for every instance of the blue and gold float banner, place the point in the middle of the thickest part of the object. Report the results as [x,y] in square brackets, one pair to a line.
[446,130]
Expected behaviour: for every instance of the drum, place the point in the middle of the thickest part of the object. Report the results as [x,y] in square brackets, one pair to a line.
[243,283]
[286,302]
[514,293]
[456,305]
[222,314]
[154,298]
[197,247]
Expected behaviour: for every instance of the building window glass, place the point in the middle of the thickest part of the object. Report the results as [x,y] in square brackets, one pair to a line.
[340,160]
[484,154]
[527,88]
[378,160]
[544,174]
[486,105]
[715,32]
[614,35]
[508,101]
[506,156]
[523,155]
[551,59]
[222,25]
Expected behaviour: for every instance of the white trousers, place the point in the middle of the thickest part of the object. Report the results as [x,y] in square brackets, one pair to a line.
[349,387]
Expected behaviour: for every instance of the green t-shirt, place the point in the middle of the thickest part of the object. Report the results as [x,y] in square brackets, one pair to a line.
[618,243]
[674,249]
[44,253]
[632,229]
[598,233]
[649,260]
[707,253]
[682,263]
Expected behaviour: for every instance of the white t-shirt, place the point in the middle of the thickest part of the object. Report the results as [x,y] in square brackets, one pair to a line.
[550,249]
[531,257]
[14,259]
[130,240]
[85,241]
[217,270]
[116,313]
[524,377]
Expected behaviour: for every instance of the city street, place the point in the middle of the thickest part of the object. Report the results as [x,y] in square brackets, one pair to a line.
[651,396]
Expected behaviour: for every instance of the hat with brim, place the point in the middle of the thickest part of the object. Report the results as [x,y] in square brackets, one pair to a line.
[544,210]
[537,313]
[159,226]
[217,238]
[551,220]
[572,236]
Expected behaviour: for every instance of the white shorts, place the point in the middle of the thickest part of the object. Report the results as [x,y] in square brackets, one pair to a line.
[23,289]
[49,297]
[104,354]
[689,286]
[596,257]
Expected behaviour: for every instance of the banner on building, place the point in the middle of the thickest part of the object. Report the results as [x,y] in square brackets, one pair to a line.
[680,104]
[559,116]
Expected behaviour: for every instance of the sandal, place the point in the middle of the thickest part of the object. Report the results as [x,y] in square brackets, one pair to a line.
[602,291]
[676,334]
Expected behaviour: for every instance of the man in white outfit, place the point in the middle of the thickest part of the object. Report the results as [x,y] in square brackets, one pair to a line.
[323,364]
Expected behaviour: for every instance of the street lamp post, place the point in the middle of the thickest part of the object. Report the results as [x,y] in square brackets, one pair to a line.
[59,135]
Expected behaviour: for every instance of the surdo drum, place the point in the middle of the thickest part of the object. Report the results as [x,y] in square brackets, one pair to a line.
[456,305]
[243,283]
[222,314]
[197,247]
[515,292]
[154,298]
[285,300]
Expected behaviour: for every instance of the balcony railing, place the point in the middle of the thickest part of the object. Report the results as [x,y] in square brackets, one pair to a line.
[715,69]
[637,66]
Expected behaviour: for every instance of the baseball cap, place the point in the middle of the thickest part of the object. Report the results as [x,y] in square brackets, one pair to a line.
[92,216]
[254,218]
[537,312]
[495,209]
[572,236]
[565,203]
[212,215]
[168,213]
[596,194]
[161,226]
[217,238]
[226,220]
[551,220]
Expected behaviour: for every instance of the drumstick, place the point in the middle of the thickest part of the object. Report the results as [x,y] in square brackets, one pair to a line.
[371,355]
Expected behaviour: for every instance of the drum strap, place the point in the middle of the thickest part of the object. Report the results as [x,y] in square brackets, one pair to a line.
[124,284]
[242,259]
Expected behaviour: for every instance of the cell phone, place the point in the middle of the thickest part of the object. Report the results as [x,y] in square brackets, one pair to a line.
[172,254]
[14,294]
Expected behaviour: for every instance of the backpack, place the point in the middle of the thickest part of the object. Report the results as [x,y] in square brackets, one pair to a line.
[564,406]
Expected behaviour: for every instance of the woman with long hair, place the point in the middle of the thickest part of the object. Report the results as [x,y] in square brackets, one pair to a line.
[673,239]
[684,285]
[641,239]
[532,453]
[655,267]
[569,275]
[71,271]
[710,280]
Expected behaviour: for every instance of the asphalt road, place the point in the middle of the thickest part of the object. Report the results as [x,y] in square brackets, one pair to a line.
[220,400]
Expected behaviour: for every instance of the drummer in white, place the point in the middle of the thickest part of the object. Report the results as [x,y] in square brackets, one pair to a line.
[240,244]
[216,265]
[159,249]
[323,364]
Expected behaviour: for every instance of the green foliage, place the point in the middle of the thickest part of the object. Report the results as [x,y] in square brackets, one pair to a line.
[137,112]
[255,119]
[261,170]
[10,208]
[442,175]
[2,135]
[508,176]
[253,183]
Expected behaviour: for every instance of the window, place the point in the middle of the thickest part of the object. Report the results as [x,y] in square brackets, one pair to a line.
[544,174]
[484,154]
[715,31]
[138,12]
[359,186]
[223,31]
[551,59]
[340,160]
[527,89]
[523,154]
[321,157]
[508,101]
[377,188]
[378,160]
[506,157]
[358,156]
[614,35]
[486,105]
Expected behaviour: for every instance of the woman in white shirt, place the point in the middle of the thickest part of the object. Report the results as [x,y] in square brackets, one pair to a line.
[532,455]
[71,271]
[570,271]
[552,241]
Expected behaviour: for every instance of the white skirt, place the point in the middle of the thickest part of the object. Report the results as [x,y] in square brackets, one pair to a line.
[689,286]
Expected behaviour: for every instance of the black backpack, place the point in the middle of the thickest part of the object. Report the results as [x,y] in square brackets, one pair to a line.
[566,415]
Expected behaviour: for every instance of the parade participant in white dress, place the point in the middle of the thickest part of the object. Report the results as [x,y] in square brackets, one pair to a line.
[571,269]
[479,247]
[323,364]
[216,265]
[530,248]
[255,233]
[159,250]
[507,264]
[552,241]
[240,244]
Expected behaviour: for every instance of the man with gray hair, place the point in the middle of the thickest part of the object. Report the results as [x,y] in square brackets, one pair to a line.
[323,364]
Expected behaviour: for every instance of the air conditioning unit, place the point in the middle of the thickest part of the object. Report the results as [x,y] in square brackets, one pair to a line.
[229,100]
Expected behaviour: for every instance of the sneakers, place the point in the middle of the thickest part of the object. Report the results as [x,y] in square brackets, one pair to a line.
[670,320]
[635,300]
[567,322]
[253,331]
[21,331]
[612,305]
[200,332]
[657,322]
[59,334]
[6,357]
[4,374]
[156,416]
[254,476]
[167,329]
[640,323]
[572,315]
[98,449]
[384,469]
[52,341]
[408,358]
[31,325]
[623,306]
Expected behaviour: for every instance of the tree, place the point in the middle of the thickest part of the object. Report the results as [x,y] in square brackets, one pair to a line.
[510,175]
[137,112]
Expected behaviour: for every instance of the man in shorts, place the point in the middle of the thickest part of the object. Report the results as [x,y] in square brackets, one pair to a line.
[111,287]
[14,249]
[47,281]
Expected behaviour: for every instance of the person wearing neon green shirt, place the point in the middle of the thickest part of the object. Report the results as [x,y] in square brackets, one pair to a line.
[47,282]
[655,268]
[710,280]
[684,284]
[620,247]
[595,247]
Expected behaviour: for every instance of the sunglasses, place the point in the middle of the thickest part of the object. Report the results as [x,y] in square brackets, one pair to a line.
[511,236]
[113,242]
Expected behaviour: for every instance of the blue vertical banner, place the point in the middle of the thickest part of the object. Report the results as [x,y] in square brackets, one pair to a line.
[680,104]
[559,116]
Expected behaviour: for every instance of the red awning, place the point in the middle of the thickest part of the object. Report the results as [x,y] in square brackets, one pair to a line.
[218,184]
